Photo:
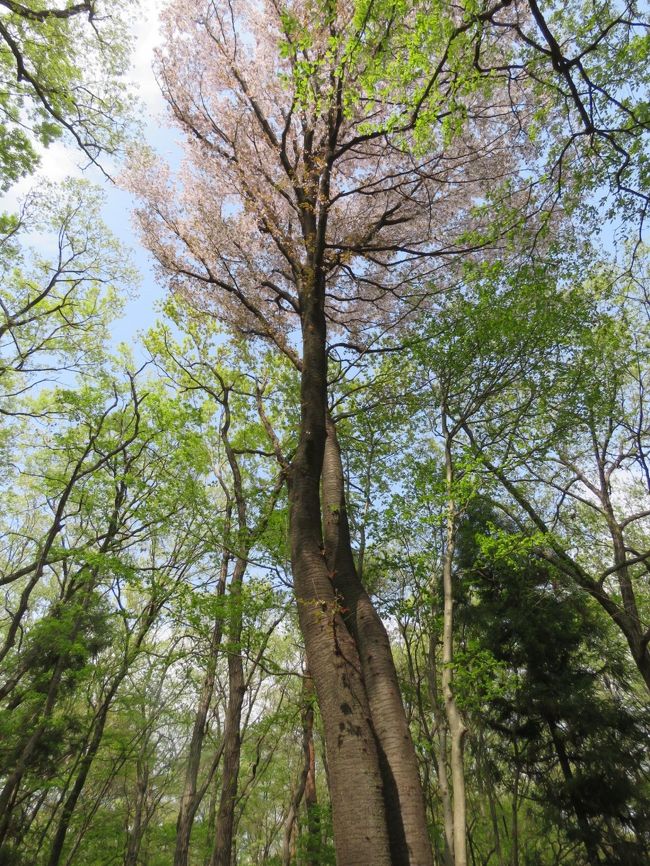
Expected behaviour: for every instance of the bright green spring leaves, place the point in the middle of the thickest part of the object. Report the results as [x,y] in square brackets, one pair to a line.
[60,73]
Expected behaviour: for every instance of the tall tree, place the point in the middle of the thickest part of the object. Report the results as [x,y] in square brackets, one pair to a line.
[301,210]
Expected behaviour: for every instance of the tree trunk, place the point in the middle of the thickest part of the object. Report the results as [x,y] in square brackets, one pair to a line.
[314,840]
[407,823]
[290,825]
[305,789]
[136,832]
[442,762]
[494,818]
[457,729]
[629,625]
[514,824]
[223,836]
[588,834]
[84,768]
[359,821]
[189,799]
[93,747]
[10,788]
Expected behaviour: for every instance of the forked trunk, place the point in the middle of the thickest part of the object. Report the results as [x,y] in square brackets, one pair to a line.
[356,786]
[407,823]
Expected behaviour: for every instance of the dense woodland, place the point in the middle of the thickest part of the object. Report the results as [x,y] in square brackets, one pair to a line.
[347,561]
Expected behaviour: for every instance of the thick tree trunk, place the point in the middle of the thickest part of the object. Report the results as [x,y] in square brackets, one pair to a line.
[407,824]
[356,785]
[190,800]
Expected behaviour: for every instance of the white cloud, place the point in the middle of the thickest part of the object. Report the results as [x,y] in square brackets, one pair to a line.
[58,161]
[146,30]
[61,159]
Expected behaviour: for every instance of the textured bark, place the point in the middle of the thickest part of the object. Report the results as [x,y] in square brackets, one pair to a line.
[407,824]
[359,821]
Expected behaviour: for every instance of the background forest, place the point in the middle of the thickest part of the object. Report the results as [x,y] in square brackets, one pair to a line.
[345,560]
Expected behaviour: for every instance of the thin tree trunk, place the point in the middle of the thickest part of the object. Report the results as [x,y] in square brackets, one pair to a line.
[14,780]
[84,768]
[93,747]
[514,824]
[223,836]
[405,807]
[211,820]
[290,826]
[314,839]
[588,835]
[190,800]
[442,762]
[457,729]
[136,832]
[638,642]
[494,818]
[305,789]
[10,788]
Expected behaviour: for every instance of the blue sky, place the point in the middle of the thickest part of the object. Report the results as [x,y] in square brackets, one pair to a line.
[60,161]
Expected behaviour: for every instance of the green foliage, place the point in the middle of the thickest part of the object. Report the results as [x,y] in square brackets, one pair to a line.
[47,91]
[579,740]
[562,73]
[57,303]
[122,492]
